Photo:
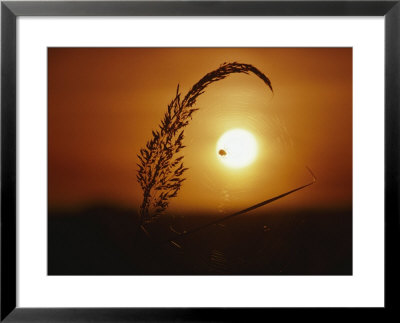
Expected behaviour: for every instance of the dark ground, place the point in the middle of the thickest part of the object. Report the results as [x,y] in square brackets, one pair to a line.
[106,241]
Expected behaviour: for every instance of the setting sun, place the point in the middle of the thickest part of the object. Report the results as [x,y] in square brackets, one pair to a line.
[237,148]
[199,161]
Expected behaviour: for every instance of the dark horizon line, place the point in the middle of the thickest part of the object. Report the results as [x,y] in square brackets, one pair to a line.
[86,207]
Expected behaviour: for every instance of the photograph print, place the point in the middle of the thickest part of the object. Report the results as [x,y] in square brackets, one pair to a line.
[199,161]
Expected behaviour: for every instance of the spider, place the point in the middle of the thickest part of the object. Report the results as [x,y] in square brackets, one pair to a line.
[222,152]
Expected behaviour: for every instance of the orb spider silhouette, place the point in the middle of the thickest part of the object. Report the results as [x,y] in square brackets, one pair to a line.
[222,152]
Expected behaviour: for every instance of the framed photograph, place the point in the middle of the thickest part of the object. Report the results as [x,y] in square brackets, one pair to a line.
[197,161]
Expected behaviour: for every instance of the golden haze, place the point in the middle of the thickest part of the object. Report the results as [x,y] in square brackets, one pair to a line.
[104,102]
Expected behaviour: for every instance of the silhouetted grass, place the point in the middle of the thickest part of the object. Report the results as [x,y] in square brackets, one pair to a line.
[161,167]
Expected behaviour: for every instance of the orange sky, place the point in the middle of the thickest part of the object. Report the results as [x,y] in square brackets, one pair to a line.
[103,104]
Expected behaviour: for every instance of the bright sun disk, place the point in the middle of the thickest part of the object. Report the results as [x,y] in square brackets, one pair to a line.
[237,148]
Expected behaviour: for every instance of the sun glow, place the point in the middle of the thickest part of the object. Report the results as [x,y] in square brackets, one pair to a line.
[237,148]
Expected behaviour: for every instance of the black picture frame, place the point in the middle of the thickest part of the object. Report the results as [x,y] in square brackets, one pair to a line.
[10,10]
